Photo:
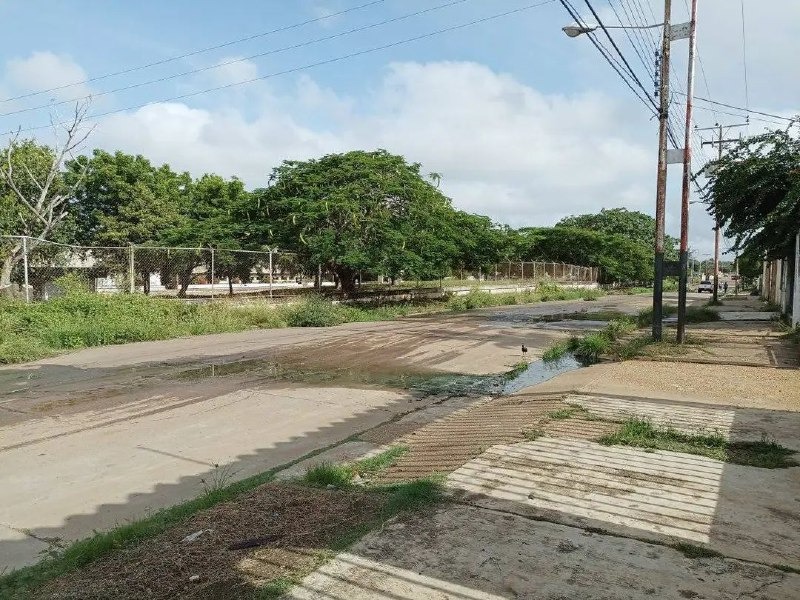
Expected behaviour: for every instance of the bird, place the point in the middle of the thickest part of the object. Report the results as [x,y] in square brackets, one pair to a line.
[524,349]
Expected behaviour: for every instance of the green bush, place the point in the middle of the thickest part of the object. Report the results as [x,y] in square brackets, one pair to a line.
[315,312]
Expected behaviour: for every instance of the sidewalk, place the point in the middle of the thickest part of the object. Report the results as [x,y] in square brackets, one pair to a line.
[560,515]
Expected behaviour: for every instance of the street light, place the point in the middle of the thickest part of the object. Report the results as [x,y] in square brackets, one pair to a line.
[576,29]
[671,32]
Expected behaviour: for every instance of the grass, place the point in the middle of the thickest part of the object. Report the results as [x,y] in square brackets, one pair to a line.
[341,475]
[590,347]
[81,319]
[532,434]
[694,314]
[563,413]
[275,588]
[793,335]
[556,351]
[19,583]
[515,371]
[643,434]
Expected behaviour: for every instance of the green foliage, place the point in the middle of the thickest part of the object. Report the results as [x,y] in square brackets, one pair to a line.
[275,588]
[373,464]
[630,224]
[357,211]
[563,413]
[316,312]
[589,347]
[620,259]
[556,351]
[414,495]
[326,474]
[754,190]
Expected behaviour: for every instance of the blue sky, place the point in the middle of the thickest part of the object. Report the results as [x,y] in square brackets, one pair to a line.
[525,124]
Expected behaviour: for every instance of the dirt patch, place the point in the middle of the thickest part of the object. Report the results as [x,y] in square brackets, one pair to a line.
[274,532]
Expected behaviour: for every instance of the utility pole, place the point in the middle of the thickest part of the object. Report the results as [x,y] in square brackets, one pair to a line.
[687,176]
[661,181]
[719,142]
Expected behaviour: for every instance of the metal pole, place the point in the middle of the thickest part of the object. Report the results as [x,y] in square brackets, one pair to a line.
[212,274]
[25,267]
[131,273]
[270,273]
[687,176]
[661,180]
[716,235]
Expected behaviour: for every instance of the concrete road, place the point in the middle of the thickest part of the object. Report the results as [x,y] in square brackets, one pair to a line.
[97,437]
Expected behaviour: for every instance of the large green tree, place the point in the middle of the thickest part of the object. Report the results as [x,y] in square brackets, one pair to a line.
[369,211]
[754,191]
[125,199]
[213,213]
[632,224]
[619,258]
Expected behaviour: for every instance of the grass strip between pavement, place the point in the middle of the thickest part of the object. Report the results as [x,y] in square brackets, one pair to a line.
[640,433]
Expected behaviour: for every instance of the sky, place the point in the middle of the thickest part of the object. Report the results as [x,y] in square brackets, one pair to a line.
[523,123]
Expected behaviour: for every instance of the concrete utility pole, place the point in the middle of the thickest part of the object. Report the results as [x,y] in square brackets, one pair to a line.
[687,176]
[661,181]
[719,142]
[796,292]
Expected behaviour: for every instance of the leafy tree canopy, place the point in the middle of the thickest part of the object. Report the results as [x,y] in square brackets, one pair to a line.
[632,224]
[755,192]
[361,210]
[619,258]
[125,199]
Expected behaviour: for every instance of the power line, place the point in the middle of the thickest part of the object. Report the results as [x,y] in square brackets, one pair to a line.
[744,59]
[610,59]
[310,65]
[236,60]
[636,49]
[745,110]
[614,44]
[196,52]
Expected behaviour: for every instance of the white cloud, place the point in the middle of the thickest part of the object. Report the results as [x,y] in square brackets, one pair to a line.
[44,70]
[504,149]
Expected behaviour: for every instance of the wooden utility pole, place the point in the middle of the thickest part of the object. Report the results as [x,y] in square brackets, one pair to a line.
[719,142]
[687,176]
[661,181]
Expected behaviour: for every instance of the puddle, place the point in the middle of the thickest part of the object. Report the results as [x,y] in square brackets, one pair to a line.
[539,371]
[572,325]
[420,383]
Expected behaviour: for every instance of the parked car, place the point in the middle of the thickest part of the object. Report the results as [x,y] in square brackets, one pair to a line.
[705,286]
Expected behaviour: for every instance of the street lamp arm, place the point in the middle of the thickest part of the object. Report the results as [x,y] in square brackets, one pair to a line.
[575,29]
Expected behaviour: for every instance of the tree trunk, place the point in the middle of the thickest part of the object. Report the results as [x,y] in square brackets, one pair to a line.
[230,285]
[9,262]
[145,282]
[5,276]
[184,279]
[347,279]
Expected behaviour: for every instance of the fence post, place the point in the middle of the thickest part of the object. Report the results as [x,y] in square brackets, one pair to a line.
[131,272]
[25,267]
[212,274]
[522,270]
[271,250]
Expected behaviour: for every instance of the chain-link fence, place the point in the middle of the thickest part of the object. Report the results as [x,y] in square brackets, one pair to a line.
[37,270]
[520,271]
